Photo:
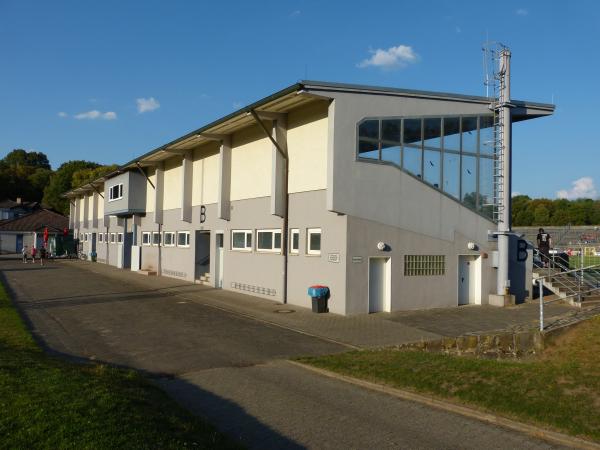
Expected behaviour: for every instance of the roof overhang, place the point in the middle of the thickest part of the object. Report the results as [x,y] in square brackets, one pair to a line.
[285,100]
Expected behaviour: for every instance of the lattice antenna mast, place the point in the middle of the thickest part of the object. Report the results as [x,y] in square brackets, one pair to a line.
[497,82]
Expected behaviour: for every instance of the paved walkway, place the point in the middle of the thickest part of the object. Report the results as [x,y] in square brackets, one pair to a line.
[226,361]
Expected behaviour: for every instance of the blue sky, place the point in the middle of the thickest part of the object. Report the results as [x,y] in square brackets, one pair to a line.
[129,76]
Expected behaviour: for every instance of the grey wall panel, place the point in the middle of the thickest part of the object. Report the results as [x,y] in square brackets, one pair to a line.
[383,193]
[409,292]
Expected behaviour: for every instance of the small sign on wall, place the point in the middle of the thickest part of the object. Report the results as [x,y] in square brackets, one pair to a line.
[333,257]
[357,259]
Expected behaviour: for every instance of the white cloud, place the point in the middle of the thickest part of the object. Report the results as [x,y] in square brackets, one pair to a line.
[582,188]
[62,114]
[399,56]
[521,12]
[147,104]
[95,114]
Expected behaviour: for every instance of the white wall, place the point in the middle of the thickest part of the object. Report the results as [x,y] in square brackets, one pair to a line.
[250,164]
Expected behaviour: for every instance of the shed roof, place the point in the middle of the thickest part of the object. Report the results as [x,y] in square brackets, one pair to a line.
[36,221]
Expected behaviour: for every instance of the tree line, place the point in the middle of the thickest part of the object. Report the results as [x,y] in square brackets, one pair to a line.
[28,175]
[545,212]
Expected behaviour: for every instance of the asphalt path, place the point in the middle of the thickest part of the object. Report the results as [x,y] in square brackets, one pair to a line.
[229,368]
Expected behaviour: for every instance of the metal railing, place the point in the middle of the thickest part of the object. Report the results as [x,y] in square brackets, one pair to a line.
[575,283]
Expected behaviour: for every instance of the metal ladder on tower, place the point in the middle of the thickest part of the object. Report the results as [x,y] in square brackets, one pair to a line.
[494,81]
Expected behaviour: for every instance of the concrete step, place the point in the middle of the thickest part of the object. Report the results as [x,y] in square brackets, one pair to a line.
[147,272]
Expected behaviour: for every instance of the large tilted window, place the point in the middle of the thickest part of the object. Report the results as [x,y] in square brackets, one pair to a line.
[452,154]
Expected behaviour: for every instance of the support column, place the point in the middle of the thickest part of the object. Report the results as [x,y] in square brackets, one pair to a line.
[158,197]
[279,167]
[86,209]
[71,214]
[224,203]
[186,186]
[76,207]
[95,200]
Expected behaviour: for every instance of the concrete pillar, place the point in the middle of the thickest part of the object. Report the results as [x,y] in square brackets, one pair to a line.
[76,207]
[224,204]
[71,214]
[278,167]
[187,176]
[95,200]
[86,208]
[331,167]
[158,198]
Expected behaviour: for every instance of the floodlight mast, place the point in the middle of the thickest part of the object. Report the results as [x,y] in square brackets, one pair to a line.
[505,182]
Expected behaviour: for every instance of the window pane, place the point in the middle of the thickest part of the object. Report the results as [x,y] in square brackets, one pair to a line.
[368,149]
[432,167]
[451,133]
[295,240]
[468,179]
[433,131]
[239,240]
[391,153]
[390,130]
[277,239]
[486,186]
[369,129]
[469,134]
[265,240]
[412,160]
[249,240]
[486,135]
[182,239]
[451,174]
[412,131]
[315,241]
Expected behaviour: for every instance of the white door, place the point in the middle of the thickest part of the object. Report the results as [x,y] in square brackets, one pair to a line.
[379,284]
[219,260]
[468,280]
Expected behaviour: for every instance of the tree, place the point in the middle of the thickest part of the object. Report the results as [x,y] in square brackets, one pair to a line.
[62,181]
[24,174]
[541,215]
[84,176]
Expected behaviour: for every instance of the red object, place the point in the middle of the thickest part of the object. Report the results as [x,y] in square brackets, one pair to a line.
[46,234]
[65,232]
[318,286]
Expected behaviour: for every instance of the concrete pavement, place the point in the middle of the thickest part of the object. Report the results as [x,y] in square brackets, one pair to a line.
[226,362]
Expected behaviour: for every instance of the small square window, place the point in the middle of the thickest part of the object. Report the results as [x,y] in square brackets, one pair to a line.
[294,241]
[183,239]
[241,240]
[313,241]
[169,238]
[156,238]
[268,241]
[119,238]
[100,237]
[113,238]
[146,235]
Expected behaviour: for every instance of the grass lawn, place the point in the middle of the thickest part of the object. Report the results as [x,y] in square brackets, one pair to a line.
[559,390]
[575,261]
[49,403]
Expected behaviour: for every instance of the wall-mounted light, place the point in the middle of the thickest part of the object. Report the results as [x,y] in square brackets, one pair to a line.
[472,246]
[381,246]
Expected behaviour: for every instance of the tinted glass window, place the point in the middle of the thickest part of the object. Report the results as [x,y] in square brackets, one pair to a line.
[468,180]
[431,167]
[368,149]
[412,131]
[390,130]
[451,133]
[486,135]
[412,160]
[369,129]
[391,153]
[451,174]
[469,134]
[432,133]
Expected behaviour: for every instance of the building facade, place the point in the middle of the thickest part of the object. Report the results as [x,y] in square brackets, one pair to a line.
[384,195]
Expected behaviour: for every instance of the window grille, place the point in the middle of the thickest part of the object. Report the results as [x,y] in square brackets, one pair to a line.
[424,265]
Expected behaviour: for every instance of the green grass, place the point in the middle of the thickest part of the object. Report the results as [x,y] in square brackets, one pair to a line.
[575,261]
[560,390]
[46,402]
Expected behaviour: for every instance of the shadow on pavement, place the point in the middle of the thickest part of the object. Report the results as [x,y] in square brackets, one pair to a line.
[227,416]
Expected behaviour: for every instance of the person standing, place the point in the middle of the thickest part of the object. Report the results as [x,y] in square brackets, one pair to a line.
[544,241]
[33,253]
[42,255]
[24,253]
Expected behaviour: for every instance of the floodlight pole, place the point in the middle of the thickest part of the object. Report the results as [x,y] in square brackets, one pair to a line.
[504,224]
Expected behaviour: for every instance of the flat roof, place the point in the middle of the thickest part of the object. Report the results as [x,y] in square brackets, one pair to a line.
[292,97]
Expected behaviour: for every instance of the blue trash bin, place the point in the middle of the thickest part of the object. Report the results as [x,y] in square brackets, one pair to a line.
[319,295]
